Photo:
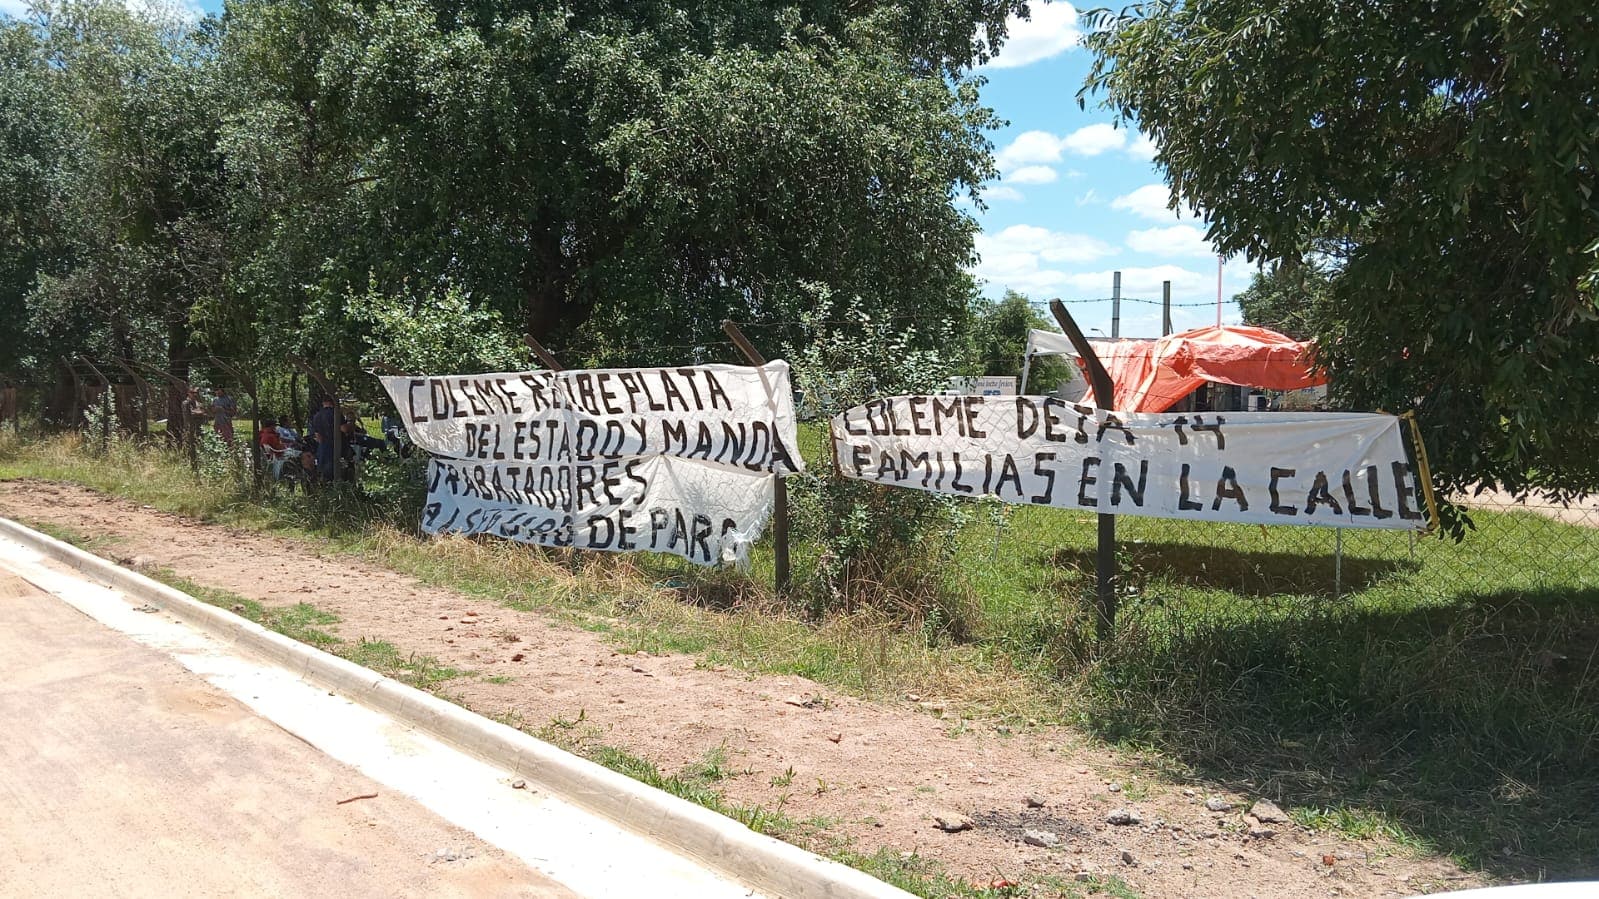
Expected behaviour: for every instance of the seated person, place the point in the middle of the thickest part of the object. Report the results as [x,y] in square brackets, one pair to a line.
[355,436]
[271,438]
[394,434]
[289,436]
[272,446]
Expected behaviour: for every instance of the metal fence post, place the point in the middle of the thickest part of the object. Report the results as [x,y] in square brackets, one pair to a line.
[779,488]
[1104,396]
[1338,563]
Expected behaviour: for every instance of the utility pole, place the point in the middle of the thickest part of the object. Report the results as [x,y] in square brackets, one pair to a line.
[1165,308]
[1116,306]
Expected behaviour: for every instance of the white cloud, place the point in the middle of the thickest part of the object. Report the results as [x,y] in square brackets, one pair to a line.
[1051,31]
[1089,198]
[1043,148]
[17,8]
[1144,283]
[1141,147]
[1051,246]
[1149,202]
[1092,140]
[1028,148]
[1033,174]
[1176,240]
[1001,192]
[1016,257]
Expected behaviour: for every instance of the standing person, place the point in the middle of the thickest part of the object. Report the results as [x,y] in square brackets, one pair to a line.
[193,414]
[223,408]
[324,423]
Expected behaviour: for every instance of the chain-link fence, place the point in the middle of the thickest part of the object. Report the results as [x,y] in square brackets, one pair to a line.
[1034,554]
[1510,546]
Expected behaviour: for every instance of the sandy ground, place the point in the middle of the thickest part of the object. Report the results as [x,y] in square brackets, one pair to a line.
[126,775]
[1584,511]
[877,773]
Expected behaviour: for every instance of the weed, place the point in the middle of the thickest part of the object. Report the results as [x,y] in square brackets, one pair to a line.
[784,779]
[420,671]
[570,723]
[712,767]
[301,621]
[1359,824]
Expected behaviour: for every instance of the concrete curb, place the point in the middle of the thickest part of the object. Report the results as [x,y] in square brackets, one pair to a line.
[768,865]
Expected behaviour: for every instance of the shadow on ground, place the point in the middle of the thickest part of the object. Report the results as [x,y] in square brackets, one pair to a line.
[1243,572]
[1473,727]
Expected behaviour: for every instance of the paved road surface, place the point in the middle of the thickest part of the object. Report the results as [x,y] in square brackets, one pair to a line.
[124,774]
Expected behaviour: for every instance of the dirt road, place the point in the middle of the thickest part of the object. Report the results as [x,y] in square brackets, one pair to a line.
[126,775]
[871,775]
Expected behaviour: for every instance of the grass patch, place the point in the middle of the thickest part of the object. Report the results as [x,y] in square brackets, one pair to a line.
[1433,695]
[421,671]
[301,621]
[98,544]
[1359,824]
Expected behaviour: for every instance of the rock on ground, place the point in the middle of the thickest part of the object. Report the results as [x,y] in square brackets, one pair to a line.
[1268,813]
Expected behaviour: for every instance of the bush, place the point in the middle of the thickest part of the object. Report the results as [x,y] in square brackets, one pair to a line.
[396,488]
[877,547]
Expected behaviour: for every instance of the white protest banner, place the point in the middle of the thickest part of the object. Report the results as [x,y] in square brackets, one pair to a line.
[703,513]
[674,460]
[1333,469]
[728,415]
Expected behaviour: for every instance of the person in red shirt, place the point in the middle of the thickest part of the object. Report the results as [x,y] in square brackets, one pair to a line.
[272,446]
[270,438]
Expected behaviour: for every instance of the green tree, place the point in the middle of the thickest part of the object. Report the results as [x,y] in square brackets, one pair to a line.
[999,341]
[1286,298]
[33,150]
[612,178]
[1443,157]
[127,199]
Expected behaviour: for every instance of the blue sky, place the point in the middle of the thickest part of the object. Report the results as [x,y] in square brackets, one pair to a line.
[1079,199]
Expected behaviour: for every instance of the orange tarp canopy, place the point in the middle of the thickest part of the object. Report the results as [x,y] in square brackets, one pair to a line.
[1152,375]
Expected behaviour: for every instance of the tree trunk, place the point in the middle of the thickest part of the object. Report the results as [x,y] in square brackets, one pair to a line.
[128,399]
[178,367]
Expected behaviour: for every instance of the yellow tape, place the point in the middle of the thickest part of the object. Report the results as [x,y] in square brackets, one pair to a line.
[1426,472]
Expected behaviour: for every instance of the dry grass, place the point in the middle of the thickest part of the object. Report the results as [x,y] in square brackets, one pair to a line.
[739,624]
